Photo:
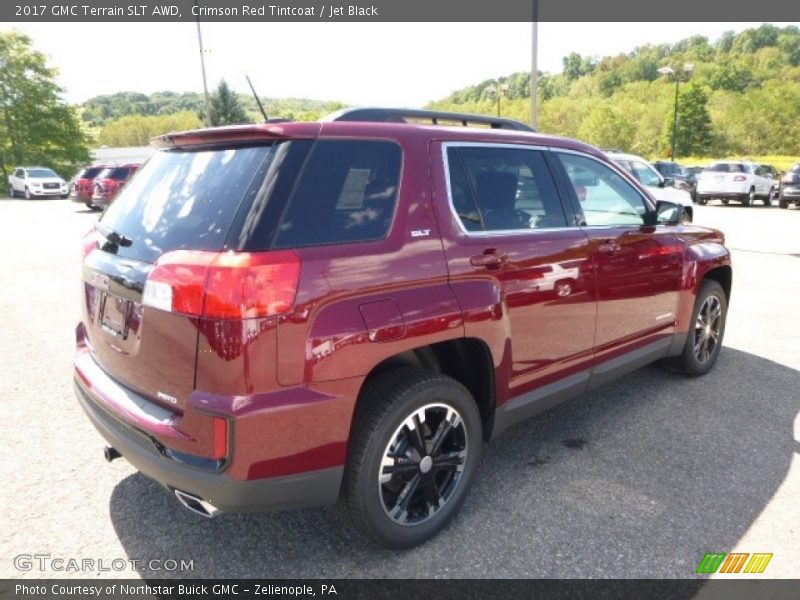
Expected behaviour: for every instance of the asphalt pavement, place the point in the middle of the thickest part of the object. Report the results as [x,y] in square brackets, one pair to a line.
[637,479]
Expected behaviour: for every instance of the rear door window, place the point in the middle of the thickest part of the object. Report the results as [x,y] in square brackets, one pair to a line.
[503,189]
[347,192]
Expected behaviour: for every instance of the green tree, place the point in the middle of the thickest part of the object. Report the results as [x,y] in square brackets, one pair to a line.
[693,135]
[138,130]
[225,107]
[37,126]
[607,128]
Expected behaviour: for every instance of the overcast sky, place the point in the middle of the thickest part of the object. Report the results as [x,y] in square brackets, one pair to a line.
[382,64]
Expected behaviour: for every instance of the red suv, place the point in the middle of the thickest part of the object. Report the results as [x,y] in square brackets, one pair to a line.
[83,184]
[285,315]
[109,182]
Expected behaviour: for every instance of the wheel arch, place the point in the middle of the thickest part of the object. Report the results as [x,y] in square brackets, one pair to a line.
[467,360]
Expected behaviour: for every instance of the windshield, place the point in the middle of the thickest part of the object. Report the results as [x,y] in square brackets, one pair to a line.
[41,173]
[646,174]
[182,199]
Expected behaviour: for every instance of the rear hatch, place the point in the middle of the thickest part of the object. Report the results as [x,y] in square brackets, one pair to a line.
[723,178]
[180,200]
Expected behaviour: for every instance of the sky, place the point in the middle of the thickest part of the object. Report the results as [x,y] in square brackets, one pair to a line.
[368,64]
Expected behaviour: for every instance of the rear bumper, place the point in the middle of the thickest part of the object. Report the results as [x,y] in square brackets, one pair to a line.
[313,488]
[724,195]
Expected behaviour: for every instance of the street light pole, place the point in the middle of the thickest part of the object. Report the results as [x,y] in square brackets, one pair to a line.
[670,72]
[534,65]
[203,69]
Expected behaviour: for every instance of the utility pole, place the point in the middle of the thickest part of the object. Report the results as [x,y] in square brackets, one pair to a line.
[203,69]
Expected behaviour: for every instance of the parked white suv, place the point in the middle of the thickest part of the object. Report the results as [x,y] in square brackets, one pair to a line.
[647,175]
[737,180]
[36,181]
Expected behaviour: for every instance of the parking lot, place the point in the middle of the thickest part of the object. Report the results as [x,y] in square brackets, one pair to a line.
[638,479]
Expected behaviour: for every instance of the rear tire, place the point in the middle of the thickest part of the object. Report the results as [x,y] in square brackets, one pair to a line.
[702,200]
[782,203]
[749,198]
[415,447]
[768,197]
[707,329]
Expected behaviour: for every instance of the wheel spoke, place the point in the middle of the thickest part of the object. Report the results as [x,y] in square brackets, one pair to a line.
[400,467]
[445,427]
[400,510]
[451,459]
[433,498]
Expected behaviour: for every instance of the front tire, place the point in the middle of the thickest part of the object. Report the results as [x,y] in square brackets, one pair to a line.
[768,197]
[28,195]
[415,447]
[782,203]
[705,335]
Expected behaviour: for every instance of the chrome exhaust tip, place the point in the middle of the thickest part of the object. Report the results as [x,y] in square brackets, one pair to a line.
[197,505]
[110,453]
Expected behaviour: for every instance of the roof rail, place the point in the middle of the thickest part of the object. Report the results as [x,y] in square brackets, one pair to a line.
[400,115]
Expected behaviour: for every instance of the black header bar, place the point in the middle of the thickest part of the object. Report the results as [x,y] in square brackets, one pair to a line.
[600,11]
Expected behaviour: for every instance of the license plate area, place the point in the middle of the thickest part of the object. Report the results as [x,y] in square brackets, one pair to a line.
[114,313]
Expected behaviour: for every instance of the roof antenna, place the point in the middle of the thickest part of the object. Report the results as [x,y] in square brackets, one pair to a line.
[260,106]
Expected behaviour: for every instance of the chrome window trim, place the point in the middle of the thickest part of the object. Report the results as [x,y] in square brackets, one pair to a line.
[454,212]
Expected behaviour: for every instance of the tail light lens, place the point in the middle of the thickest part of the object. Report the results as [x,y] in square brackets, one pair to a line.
[220,438]
[89,243]
[229,285]
[739,178]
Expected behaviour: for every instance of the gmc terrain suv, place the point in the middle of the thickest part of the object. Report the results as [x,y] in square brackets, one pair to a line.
[295,314]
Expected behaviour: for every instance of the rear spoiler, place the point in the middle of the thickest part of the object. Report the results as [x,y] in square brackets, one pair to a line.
[236,135]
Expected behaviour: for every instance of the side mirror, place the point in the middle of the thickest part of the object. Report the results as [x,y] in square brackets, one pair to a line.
[668,213]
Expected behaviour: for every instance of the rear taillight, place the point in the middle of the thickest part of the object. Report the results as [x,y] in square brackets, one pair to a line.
[228,285]
[220,437]
[739,178]
[89,243]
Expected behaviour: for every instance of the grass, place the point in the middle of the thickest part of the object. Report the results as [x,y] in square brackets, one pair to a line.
[780,161]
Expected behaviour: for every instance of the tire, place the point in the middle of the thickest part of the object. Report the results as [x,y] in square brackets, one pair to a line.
[12,193]
[701,349]
[384,437]
[725,201]
[768,197]
[64,196]
[782,203]
[28,195]
[702,200]
[749,198]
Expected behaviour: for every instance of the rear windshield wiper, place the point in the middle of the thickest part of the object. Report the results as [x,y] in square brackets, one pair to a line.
[112,236]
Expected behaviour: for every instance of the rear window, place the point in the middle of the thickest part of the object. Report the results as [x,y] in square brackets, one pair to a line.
[88,173]
[727,168]
[185,200]
[347,192]
[114,173]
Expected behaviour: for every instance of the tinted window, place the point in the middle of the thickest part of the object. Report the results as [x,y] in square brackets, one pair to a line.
[645,174]
[185,200]
[727,168]
[88,173]
[604,196]
[19,173]
[503,189]
[41,173]
[347,192]
[114,173]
